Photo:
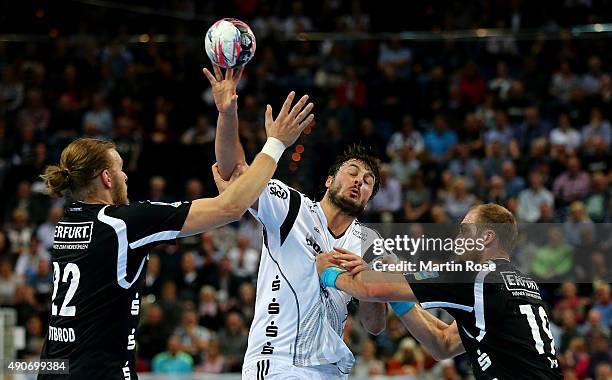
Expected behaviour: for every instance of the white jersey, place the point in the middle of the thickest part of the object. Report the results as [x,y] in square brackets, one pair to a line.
[297,321]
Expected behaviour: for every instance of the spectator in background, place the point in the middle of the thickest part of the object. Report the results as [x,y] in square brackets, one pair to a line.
[593,327]
[440,141]
[157,189]
[128,142]
[386,204]
[597,202]
[471,134]
[471,85]
[531,199]
[532,128]
[591,80]
[502,132]
[200,134]
[152,334]
[27,262]
[34,112]
[209,313]
[46,231]
[562,83]
[366,364]
[514,183]
[502,82]
[169,303]
[11,90]
[8,282]
[244,259]
[233,341]
[576,357]
[600,354]
[98,121]
[407,136]
[570,299]
[408,360]
[464,164]
[573,184]
[564,136]
[495,157]
[35,205]
[396,55]
[603,302]
[405,166]
[351,90]
[578,224]
[214,361]
[417,199]
[173,360]
[297,22]
[190,282]
[603,371]
[19,232]
[153,280]
[193,339]
[553,261]
[246,302]
[597,127]
[497,192]
[459,201]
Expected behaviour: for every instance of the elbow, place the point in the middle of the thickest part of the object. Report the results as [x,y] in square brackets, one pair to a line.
[234,209]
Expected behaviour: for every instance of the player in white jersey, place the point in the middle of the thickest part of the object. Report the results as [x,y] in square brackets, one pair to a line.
[298,324]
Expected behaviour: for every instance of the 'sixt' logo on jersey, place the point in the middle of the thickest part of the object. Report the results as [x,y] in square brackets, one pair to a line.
[278,191]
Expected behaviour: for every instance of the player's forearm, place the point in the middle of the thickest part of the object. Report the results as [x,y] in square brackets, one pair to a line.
[229,206]
[228,150]
[440,339]
[373,316]
[373,286]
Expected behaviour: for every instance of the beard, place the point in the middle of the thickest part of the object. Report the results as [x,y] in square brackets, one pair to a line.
[346,205]
[119,193]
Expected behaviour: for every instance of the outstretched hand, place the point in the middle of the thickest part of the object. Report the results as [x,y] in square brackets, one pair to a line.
[289,124]
[224,87]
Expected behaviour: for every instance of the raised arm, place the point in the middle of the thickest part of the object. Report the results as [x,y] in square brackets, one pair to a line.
[228,150]
[441,340]
[241,193]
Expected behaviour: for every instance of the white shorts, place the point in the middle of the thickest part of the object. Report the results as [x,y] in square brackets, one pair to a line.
[268,370]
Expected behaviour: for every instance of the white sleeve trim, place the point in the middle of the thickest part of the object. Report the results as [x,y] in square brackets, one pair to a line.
[122,248]
[432,305]
[162,235]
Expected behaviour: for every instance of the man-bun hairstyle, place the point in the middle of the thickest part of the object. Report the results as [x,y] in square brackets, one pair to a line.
[80,162]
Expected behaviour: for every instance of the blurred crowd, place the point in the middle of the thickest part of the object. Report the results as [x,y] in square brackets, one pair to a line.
[520,122]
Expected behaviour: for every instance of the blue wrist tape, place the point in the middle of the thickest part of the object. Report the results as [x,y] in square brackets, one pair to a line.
[401,307]
[329,276]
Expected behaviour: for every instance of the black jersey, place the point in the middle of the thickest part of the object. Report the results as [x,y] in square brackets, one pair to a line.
[99,262]
[501,319]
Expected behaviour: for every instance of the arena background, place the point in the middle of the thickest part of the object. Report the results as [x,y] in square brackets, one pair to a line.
[464,102]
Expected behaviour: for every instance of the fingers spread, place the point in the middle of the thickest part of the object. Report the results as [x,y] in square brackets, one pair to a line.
[218,73]
[298,106]
[238,75]
[304,113]
[285,109]
[209,75]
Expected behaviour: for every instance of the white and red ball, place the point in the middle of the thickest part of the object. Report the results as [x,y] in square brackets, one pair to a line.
[229,43]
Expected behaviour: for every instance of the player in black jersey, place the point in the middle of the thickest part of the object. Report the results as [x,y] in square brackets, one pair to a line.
[100,246]
[500,318]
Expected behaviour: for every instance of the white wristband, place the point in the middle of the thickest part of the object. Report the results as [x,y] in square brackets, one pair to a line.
[273,148]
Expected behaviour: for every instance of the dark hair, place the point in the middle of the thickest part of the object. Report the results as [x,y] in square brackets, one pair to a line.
[363,154]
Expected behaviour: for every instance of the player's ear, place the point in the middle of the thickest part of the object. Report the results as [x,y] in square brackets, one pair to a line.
[106,178]
[328,181]
[488,237]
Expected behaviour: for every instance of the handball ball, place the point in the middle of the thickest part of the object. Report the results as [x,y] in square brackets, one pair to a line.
[229,43]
